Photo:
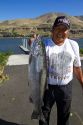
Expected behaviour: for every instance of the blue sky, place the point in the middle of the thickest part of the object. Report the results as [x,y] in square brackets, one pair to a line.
[13,9]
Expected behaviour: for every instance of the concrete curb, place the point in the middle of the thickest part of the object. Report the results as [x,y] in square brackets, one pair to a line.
[20,59]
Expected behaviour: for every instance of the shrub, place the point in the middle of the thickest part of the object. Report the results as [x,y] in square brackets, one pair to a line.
[81,51]
[3,61]
[4,58]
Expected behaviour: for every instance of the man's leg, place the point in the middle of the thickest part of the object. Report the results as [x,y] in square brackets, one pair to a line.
[64,105]
[46,109]
[63,112]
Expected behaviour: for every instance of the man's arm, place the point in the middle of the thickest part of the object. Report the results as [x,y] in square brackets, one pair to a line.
[79,75]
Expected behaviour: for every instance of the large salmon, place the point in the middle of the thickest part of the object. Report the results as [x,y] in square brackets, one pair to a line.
[37,72]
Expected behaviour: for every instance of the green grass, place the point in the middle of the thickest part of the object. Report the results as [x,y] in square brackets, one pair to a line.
[3,61]
[3,58]
[81,52]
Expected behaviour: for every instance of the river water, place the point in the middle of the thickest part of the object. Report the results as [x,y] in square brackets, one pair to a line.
[12,45]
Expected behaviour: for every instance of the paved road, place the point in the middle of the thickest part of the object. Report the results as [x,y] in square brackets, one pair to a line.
[15,108]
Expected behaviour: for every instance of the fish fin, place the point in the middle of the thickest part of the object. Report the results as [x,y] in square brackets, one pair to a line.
[34,115]
[28,83]
[30,99]
[30,58]
[42,118]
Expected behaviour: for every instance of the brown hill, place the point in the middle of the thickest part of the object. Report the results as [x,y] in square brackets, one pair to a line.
[41,25]
[79,17]
[76,22]
[43,19]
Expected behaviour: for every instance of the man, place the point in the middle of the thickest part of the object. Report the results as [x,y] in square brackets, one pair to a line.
[63,59]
